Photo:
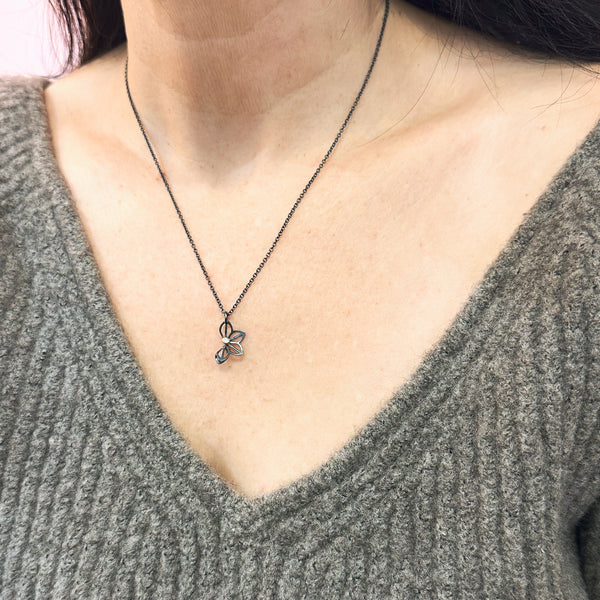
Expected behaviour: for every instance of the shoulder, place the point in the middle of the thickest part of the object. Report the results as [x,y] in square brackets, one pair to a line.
[15,91]
[23,152]
[21,132]
[579,183]
[21,104]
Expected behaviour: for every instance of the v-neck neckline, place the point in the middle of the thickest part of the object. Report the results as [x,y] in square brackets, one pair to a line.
[164,452]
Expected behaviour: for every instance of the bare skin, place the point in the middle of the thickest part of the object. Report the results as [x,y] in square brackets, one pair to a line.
[432,177]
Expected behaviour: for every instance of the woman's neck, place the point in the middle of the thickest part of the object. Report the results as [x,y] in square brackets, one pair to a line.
[227,89]
[241,59]
[236,80]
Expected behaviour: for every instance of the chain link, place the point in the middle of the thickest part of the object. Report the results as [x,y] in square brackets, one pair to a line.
[300,197]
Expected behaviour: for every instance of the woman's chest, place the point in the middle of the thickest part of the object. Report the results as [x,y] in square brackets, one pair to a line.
[339,318]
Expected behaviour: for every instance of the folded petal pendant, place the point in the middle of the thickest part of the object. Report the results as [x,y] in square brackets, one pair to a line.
[231,339]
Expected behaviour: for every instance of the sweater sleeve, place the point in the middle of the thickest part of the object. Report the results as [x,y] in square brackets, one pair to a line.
[588,542]
[585,460]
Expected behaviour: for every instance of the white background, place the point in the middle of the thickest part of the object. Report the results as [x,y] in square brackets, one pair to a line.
[26,45]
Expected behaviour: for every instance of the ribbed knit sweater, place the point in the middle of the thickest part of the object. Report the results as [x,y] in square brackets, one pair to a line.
[479,478]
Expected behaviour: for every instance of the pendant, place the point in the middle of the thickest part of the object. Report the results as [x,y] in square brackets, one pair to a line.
[231,342]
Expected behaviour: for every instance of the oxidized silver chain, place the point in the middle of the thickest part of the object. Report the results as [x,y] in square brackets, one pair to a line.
[232,338]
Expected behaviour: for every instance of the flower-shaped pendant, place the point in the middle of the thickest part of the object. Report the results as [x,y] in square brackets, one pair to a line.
[231,342]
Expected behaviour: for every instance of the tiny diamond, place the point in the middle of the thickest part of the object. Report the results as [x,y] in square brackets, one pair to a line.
[226,340]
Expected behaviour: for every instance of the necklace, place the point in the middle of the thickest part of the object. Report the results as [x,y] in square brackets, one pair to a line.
[230,337]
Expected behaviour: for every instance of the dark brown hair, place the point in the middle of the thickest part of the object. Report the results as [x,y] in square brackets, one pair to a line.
[568,30]
[90,28]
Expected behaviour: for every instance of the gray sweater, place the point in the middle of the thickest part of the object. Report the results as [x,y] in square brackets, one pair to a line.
[479,479]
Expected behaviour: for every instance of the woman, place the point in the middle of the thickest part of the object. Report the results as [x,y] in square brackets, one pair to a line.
[404,401]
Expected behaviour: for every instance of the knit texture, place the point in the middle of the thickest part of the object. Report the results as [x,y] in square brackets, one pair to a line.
[479,479]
